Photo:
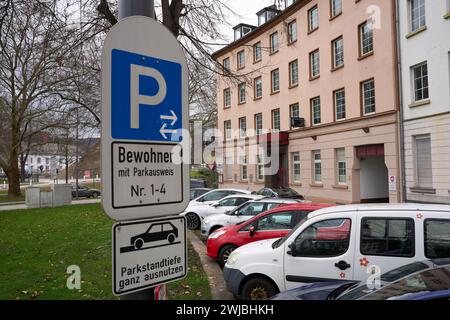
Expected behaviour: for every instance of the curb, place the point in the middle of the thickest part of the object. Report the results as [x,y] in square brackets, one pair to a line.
[212,270]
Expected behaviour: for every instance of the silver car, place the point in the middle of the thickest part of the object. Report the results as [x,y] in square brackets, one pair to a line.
[242,213]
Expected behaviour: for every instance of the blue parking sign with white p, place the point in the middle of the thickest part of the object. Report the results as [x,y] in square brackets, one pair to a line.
[146,98]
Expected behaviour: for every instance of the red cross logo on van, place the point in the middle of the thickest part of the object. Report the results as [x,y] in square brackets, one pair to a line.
[364,262]
[342,275]
[419,216]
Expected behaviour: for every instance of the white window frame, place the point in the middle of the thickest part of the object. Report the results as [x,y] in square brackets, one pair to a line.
[260,168]
[257,52]
[317,166]
[420,184]
[338,52]
[341,165]
[337,105]
[296,166]
[292,31]
[315,111]
[335,9]
[244,168]
[365,48]
[226,64]
[259,122]
[258,88]
[274,43]
[311,27]
[242,127]
[314,62]
[242,95]
[363,94]
[227,130]
[227,98]
[241,59]
[275,81]
[424,89]
[276,120]
[420,9]
[293,73]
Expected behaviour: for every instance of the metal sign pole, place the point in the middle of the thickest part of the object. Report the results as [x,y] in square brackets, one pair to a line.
[137,8]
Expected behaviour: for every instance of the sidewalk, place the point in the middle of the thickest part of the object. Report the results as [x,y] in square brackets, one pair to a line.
[23,206]
[212,270]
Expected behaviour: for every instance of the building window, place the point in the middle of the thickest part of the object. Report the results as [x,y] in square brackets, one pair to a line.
[292,32]
[317,165]
[295,112]
[339,104]
[258,124]
[227,129]
[293,73]
[296,167]
[227,98]
[423,163]
[314,64]
[313,19]
[338,52]
[259,168]
[274,45]
[226,64]
[365,38]
[341,167]
[315,111]
[420,74]
[244,172]
[229,168]
[336,7]
[241,59]
[242,127]
[258,87]
[275,79]
[276,120]
[242,95]
[418,20]
[368,97]
[257,52]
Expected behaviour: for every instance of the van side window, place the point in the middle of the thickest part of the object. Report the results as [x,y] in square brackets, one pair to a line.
[387,237]
[329,238]
[437,238]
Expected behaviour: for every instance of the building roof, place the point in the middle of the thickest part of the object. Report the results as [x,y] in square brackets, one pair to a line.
[261,29]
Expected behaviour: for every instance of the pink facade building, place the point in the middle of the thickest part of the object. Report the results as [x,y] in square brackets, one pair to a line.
[322,76]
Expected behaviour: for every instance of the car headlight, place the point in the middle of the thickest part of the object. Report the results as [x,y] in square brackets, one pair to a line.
[216,234]
[232,259]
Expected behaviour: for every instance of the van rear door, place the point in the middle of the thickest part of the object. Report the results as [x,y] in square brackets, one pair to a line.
[322,250]
[387,240]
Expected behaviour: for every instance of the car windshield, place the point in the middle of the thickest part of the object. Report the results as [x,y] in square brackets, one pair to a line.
[358,291]
[285,192]
[281,241]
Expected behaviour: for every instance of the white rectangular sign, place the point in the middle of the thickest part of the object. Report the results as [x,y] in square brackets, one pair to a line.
[145,174]
[147,253]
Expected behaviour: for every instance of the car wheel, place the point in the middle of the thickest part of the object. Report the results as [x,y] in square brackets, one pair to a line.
[95,195]
[258,289]
[225,253]
[193,221]
[138,243]
[171,238]
[214,229]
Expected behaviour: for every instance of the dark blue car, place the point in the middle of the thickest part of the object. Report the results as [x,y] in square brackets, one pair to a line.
[426,280]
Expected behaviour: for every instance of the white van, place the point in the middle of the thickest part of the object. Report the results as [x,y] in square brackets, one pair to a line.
[344,243]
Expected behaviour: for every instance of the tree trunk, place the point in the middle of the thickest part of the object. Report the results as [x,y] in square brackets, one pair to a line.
[13,175]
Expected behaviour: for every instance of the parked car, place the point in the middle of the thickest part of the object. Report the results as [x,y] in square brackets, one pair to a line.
[383,235]
[425,280]
[215,195]
[156,232]
[280,192]
[194,215]
[197,192]
[198,183]
[274,223]
[85,192]
[243,213]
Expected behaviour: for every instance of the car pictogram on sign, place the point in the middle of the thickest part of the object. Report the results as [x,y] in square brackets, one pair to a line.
[156,232]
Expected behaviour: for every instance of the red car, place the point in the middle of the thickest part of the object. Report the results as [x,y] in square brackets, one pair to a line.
[275,223]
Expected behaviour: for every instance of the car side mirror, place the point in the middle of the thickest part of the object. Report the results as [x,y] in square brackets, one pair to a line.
[293,250]
[252,231]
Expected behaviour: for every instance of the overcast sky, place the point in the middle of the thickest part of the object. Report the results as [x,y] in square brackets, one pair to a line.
[247,13]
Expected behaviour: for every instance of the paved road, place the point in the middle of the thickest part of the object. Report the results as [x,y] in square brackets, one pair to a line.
[23,206]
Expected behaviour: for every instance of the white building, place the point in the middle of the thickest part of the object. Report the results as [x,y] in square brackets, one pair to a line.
[36,162]
[424,38]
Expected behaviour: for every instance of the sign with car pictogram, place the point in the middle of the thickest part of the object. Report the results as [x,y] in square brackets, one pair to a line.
[145,120]
[148,253]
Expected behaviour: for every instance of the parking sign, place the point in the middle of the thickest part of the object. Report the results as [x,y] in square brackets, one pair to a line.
[144,111]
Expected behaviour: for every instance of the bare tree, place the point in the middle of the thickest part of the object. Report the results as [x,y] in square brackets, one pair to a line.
[37,42]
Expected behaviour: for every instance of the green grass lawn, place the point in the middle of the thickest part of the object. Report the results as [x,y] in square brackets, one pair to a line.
[38,245]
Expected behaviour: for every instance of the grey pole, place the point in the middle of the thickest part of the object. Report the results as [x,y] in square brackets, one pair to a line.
[136,8]
[129,8]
